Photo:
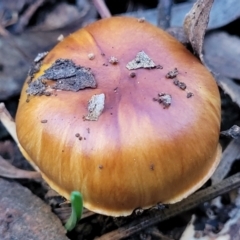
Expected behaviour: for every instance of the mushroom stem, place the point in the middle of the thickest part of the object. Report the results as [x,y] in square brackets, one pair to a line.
[77,209]
[102,8]
[8,122]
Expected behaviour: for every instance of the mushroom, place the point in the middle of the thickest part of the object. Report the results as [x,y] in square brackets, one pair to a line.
[137,152]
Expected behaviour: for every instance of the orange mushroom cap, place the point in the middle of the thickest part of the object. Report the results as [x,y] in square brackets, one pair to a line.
[137,152]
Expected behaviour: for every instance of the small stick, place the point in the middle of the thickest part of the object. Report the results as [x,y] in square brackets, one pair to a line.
[8,122]
[164,13]
[230,154]
[102,8]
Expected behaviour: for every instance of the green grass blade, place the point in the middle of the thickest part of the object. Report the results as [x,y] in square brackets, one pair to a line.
[77,209]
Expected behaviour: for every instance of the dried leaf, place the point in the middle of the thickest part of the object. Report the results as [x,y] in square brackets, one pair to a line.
[233,132]
[9,171]
[222,54]
[228,230]
[179,34]
[25,216]
[195,24]
[230,87]
[62,15]
[8,122]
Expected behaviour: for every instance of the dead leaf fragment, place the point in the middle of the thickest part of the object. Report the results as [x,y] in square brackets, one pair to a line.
[233,132]
[142,60]
[230,87]
[95,107]
[9,171]
[195,24]
[222,54]
[25,216]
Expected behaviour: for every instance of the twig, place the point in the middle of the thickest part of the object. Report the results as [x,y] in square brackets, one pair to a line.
[191,202]
[231,153]
[9,171]
[12,43]
[156,233]
[164,13]
[26,16]
[102,8]
[8,122]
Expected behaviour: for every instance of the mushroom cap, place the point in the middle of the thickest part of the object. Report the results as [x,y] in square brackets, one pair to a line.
[139,152]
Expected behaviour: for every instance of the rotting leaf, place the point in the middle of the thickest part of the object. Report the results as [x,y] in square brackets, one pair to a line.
[233,132]
[229,87]
[223,57]
[95,107]
[195,24]
[25,216]
[9,171]
[142,60]
[68,77]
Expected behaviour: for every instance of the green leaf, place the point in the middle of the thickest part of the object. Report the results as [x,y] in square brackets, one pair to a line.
[77,209]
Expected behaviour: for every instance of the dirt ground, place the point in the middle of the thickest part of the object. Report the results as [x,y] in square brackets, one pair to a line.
[29,209]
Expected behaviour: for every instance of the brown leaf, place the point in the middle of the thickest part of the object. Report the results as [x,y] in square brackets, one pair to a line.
[62,15]
[25,216]
[233,132]
[230,87]
[9,171]
[222,54]
[195,24]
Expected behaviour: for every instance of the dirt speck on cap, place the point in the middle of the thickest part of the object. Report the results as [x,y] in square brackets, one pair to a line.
[113,60]
[164,99]
[189,94]
[172,74]
[91,56]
